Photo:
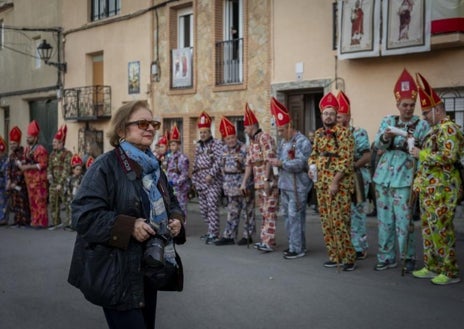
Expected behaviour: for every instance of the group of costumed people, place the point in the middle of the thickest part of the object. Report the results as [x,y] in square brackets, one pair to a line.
[32,179]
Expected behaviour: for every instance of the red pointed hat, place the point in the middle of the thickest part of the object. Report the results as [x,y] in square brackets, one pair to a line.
[2,144]
[427,96]
[61,133]
[164,140]
[343,103]
[204,121]
[175,134]
[227,128]
[279,112]
[89,162]
[405,87]
[15,134]
[329,100]
[76,160]
[33,129]
[249,118]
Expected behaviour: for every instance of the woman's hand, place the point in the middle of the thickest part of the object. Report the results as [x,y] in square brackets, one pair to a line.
[142,231]
[174,227]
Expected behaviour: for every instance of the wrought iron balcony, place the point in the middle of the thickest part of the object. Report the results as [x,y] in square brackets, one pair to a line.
[89,103]
[229,62]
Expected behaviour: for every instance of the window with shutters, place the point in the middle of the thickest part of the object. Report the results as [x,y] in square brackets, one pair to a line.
[104,8]
[454,104]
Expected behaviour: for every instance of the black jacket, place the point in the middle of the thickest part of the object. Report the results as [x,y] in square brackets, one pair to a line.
[109,200]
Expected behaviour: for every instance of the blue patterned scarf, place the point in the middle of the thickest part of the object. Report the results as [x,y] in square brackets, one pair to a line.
[151,174]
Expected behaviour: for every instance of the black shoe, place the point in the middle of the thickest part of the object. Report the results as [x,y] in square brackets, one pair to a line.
[409,265]
[245,241]
[385,265]
[349,267]
[360,255]
[293,255]
[224,241]
[211,239]
[330,264]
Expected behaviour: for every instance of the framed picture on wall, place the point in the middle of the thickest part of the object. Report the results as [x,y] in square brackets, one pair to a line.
[134,77]
[358,28]
[406,26]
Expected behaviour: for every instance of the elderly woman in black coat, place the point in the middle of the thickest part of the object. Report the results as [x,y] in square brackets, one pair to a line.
[124,201]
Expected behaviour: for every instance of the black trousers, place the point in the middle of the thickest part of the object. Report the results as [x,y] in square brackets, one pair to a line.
[139,318]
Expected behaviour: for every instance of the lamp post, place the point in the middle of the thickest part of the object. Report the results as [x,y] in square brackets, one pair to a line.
[45,52]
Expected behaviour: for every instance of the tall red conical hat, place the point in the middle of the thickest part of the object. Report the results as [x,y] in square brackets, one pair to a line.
[204,121]
[343,103]
[89,162]
[405,87]
[33,129]
[279,112]
[164,140]
[329,100]
[175,134]
[61,133]
[227,128]
[249,118]
[15,134]
[76,160]
[427,96]
[2,144]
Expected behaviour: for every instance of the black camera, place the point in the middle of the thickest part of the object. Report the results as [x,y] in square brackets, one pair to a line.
[154,249]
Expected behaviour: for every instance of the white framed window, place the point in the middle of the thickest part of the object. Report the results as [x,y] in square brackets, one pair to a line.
[185,28]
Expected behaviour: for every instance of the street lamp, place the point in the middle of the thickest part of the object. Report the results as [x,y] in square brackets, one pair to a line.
[45,52]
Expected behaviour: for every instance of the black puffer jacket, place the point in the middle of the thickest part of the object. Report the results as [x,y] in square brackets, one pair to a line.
[108,202]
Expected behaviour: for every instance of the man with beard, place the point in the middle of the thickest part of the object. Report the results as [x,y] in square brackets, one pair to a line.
[35,173]
[332,154]
[16,185]
[394,176]
[207,177]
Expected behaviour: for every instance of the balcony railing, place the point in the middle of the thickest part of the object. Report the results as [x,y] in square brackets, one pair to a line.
[229,62]
[87,103]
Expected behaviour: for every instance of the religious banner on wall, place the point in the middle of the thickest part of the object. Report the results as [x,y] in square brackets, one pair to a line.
[133,77]
[358,28]
[406,26]
[182,67]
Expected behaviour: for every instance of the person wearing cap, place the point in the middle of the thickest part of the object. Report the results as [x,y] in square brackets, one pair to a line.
[3,181]
[35,173]
[262,148]
[362,175]
[294,183]
[438,185]
[394,175]
[333,155]
[58,171]
[16,184]
[207,177]
[178,169]
[70,188]
[233,168]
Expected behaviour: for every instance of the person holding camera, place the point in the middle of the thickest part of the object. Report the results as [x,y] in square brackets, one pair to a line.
[127,220]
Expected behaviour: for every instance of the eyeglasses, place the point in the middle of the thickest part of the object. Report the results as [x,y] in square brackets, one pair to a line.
[144,124]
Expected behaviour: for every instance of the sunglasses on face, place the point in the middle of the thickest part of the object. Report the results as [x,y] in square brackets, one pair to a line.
[144,124]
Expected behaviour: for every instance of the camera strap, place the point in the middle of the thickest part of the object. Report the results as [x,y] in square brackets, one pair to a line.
[125,164]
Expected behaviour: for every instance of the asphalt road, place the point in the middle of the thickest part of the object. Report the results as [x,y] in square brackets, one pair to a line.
[230,287]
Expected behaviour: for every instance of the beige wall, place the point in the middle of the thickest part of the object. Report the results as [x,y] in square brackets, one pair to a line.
[17,68]
[303,33]
[120,41]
